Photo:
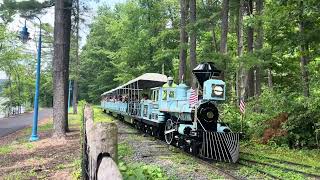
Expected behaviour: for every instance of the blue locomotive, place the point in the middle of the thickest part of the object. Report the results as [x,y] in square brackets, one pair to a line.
[181,115]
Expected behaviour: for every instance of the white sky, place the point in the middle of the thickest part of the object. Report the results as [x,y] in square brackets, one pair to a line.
[2,75]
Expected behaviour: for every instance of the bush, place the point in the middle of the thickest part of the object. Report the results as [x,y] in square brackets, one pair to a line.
[303,119]
[258,112]
[302,124]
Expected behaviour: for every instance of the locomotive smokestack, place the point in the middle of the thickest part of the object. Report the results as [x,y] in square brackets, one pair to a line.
[205,71]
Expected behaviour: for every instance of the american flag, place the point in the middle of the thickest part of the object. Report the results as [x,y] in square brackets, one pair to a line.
[242,106]
[193,98]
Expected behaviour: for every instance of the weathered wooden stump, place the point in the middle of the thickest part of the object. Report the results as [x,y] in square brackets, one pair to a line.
[101,148]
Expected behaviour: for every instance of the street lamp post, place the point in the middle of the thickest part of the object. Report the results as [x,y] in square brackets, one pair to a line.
[69,95]
[25,36]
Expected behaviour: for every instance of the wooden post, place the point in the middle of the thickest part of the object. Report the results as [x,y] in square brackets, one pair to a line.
[102,144]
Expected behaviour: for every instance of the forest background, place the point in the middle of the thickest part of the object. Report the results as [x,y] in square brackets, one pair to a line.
[267,49]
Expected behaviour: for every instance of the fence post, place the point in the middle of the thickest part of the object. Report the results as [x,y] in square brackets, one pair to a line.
[102,144]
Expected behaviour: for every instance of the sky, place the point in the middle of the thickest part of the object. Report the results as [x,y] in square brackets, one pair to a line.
[48,17]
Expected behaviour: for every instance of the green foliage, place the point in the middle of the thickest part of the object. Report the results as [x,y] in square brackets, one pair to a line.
[304,117]
[6,149]
[100,116]
[8,8]
[124,150]
[141,171]
[301,125]
[126,42]
[76,173]
[300,156]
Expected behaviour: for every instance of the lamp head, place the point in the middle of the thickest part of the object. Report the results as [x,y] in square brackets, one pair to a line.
[24,34]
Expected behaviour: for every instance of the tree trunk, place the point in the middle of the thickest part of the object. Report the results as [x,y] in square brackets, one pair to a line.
[304,51]
[214,40]
[241,74]
[193,40]
[183,39]
[62,28]
[259,45]
[250,82]
[75,82]
[224,33]
[224,26]
[270,83]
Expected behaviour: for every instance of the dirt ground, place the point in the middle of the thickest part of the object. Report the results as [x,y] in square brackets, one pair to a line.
[47,158]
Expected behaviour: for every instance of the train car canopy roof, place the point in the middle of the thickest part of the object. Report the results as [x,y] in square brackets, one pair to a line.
[145,81]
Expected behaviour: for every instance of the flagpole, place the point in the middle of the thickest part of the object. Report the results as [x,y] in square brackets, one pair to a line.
[242,116]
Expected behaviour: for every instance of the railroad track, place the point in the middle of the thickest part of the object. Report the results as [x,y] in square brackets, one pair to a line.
[220,170]
[243,162]
[260,171]
[282,161]
[252,163]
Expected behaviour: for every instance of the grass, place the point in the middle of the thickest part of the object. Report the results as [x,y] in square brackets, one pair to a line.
[76,170]
[184,163]
[302,156]
[276,172]
[100,116]
[260,153]
[283,165]
[6,149]
[137,170]
[124,150]
[20,175]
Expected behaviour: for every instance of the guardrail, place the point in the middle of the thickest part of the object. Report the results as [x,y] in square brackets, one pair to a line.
[100,143]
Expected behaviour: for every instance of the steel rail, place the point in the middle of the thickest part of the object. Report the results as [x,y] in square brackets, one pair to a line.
[282,161]
[261,171]
[281,168]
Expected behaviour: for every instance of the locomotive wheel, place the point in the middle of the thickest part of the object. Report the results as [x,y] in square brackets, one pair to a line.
[194,148]
[169,132]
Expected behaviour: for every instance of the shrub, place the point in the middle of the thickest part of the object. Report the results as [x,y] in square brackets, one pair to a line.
[302,124]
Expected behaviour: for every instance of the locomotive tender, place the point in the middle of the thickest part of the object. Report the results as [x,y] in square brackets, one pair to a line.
[194,127]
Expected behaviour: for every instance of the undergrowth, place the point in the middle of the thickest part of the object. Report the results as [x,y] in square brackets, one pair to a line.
[137,170]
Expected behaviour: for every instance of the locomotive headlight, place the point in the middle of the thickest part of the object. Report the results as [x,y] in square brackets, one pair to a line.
[210,115]
[218,90]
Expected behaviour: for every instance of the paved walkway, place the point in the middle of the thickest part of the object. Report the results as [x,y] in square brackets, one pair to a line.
[12,124]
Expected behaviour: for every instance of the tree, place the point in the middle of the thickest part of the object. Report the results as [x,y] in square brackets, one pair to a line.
[242,73]
[304,51]
[259,46]
[224,26]
[62,28]
[193,39]
[183,39]
[250,35]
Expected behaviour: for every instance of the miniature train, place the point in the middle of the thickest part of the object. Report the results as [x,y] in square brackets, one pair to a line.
[183,116]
